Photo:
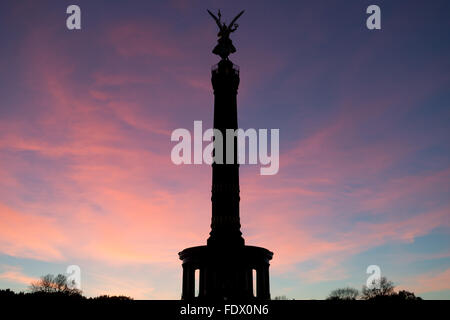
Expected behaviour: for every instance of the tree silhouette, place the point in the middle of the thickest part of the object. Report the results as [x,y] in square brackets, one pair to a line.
[406,295]
[379,288]
[106,297]
[344,294]
[49,284]
[283,297]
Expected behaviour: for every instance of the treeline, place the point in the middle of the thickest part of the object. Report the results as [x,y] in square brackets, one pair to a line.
[57,287]
[379,290]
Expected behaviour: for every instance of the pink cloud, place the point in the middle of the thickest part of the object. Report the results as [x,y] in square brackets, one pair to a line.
[14,274]
[312,226]
[428,282]
[30,235]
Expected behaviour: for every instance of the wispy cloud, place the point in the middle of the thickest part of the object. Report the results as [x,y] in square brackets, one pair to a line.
[14,274]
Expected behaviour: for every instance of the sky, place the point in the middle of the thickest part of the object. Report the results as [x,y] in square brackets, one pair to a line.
[86,117]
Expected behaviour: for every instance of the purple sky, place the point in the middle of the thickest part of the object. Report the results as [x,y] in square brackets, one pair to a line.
[86,117]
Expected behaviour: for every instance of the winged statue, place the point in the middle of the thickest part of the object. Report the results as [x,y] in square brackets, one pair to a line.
[224,45]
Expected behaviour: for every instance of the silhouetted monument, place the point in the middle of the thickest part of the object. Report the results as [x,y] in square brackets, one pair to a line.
[226,265]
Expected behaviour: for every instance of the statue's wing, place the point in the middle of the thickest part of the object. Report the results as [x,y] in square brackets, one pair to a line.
[215,18]
[235,19]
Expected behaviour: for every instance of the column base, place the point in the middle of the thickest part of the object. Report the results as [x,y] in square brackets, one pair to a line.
[226,273]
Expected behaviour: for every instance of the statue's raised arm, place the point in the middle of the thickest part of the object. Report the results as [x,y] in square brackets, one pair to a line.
[219,24]
[232,24]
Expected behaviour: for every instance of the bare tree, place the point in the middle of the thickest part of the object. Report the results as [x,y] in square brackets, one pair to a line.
[379,288]
[283,297]
[51,284]
[344,294]
[44,284]
[106,297]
